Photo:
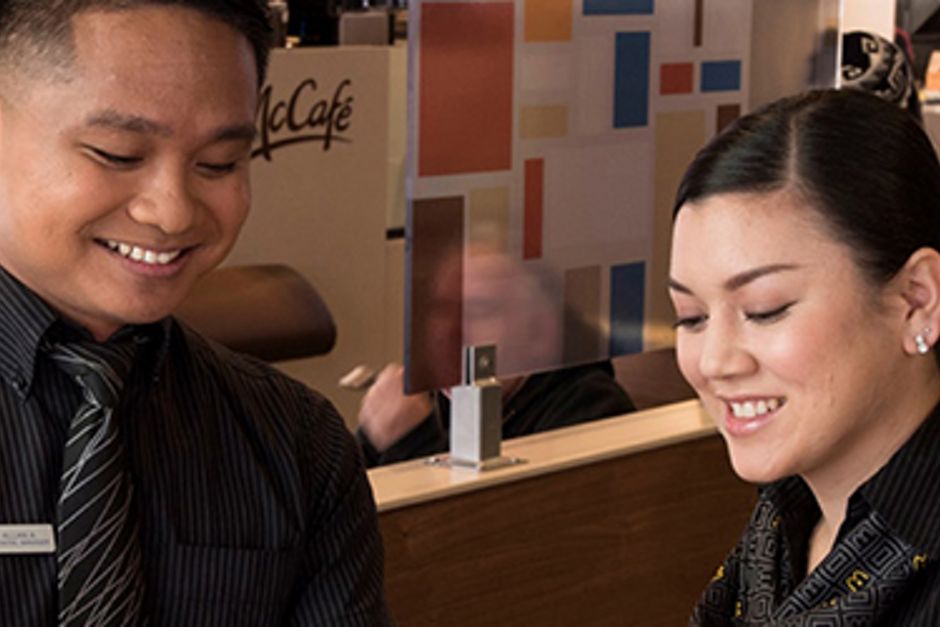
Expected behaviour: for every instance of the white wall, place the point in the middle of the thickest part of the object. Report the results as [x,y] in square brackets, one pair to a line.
[872,15]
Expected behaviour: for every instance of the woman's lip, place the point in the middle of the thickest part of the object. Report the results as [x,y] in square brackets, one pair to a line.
[739,426]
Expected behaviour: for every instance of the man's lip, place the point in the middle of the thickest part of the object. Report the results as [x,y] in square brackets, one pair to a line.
[144,253]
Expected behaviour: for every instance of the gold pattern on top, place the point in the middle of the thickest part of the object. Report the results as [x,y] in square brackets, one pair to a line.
[857,580]
[719,574]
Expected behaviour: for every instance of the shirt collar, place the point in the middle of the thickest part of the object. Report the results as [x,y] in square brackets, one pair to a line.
[25,320]
[906,491]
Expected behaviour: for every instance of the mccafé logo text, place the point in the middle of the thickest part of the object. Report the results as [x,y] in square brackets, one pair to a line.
[305,116]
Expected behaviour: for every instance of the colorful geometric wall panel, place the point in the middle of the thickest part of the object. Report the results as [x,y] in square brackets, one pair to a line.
[679,135]
[543,122]
[722,41]
[489,219]
[676,78]
[582,341]
[674,35]
[698,25]
[434,301]
[548,20]
[545,71]
[627,291]
[618,7]
[594,70]
[465,88]
[534,208]
[726,114]
[565,126]
[721,75]
[631,79]
[594,200]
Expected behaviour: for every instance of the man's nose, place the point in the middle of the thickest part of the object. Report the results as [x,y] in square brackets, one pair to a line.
[166,203]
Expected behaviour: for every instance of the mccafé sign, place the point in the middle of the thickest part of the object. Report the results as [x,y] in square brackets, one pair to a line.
[308,114]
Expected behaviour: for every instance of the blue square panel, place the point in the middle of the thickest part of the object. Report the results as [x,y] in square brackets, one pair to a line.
[721,75]
[627,289]
[618,7]
[631,80]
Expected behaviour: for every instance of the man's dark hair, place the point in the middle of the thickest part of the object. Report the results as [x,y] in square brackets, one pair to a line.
[865,166]
[41,30]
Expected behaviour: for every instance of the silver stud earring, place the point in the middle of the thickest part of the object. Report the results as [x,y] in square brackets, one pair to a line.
[921,341]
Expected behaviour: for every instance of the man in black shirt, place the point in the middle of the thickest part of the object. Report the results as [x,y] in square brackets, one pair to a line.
[238,495]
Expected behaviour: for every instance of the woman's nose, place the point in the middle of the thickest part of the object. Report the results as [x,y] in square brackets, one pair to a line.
[724,353]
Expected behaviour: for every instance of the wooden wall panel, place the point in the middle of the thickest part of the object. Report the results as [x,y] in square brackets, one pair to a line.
[629,541]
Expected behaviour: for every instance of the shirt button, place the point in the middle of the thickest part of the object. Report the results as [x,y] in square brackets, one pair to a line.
[19,383]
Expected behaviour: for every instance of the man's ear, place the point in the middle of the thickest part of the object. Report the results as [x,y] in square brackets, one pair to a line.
[920,288]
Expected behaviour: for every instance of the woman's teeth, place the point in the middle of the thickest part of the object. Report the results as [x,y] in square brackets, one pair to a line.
[143,255]
[753,409]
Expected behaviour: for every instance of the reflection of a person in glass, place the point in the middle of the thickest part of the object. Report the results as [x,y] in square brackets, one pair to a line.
[514,306]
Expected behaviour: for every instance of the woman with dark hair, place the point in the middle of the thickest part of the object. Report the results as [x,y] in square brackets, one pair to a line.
[805,275]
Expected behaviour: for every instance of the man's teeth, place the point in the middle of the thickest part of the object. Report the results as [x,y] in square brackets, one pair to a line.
[143,255]
[753,409]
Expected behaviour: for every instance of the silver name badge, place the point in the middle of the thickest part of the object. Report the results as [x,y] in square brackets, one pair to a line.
[20,539]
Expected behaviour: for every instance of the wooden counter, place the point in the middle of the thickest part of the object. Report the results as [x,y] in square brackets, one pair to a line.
[615,522]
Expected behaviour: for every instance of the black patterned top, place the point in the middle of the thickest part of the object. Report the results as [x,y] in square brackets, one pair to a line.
[883,568]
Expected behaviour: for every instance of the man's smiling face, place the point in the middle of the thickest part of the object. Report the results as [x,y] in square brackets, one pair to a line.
[123,183]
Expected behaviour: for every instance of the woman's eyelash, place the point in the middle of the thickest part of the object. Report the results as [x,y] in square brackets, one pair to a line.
[759,317]
[771,315]
[689,322]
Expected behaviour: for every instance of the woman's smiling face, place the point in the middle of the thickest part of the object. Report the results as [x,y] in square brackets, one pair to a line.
[792,350]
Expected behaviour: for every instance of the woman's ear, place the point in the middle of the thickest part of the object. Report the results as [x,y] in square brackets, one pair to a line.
[920,288]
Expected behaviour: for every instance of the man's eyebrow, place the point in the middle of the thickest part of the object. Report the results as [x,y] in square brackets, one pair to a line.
[237,132]
[109,118]
[112,119]
[740,280]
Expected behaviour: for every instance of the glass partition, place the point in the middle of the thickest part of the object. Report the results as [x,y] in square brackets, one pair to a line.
[546,139]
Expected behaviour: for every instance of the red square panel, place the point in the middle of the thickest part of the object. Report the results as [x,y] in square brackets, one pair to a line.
[465,111]
[534,208]
[676,78]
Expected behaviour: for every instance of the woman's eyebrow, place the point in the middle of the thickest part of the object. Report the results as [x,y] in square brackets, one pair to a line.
[741,279]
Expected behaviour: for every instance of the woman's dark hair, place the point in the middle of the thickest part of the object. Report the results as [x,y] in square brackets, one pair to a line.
[866,167]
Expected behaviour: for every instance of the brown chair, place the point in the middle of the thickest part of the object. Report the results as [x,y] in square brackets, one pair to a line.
[268,311]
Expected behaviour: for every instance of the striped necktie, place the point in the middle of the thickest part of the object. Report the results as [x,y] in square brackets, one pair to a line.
[100,576]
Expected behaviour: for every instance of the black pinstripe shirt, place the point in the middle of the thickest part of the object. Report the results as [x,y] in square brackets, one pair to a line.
[884,568]
[254,506]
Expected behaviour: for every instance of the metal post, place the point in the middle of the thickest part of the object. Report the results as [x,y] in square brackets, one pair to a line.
[476,413]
